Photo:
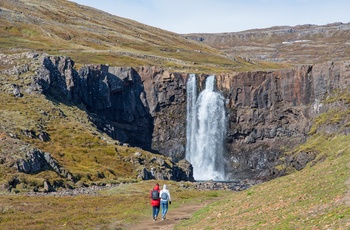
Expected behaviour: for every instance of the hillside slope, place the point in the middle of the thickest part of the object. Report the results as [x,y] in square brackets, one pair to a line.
[303,44]
[91,36]
[317,197]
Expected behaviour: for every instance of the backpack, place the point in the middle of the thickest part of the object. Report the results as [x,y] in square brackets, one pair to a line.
[155,194]
[164,196]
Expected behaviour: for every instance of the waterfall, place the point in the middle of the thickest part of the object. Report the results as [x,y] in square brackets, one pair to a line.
[191,119]
[205,130]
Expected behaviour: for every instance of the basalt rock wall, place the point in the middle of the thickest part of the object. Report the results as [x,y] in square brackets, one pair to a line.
[143,107]
[114,97]
[268,112]
[271,112]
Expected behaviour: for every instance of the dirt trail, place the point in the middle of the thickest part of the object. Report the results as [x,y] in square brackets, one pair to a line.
[173,217]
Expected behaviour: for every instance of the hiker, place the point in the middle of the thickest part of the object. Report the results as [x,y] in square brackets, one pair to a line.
[155,201]
[164,199]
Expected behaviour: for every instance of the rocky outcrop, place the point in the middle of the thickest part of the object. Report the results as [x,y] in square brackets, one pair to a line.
[161,168]
[268,112]
[36,161]
[114,97]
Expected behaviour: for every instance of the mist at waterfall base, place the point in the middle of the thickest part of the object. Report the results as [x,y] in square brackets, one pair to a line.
[205,130]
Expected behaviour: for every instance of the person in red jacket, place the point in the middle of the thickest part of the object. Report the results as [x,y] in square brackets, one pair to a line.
[155,201]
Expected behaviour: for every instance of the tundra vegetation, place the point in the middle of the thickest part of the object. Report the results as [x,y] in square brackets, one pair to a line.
[316,197]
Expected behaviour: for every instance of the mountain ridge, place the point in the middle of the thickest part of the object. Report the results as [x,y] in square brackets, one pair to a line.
[301,44]
[91,36]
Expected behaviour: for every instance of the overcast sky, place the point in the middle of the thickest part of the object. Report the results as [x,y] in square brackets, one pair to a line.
[214,16]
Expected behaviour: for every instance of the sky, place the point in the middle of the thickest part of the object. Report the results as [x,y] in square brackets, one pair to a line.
[217,16]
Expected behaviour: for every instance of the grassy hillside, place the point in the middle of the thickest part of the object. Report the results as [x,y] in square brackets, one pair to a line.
[74,142]
[315,198]
[88,35]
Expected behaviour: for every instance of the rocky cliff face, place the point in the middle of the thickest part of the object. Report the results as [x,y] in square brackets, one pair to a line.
[269,112]
[165,94]
[115,97]
[144,107]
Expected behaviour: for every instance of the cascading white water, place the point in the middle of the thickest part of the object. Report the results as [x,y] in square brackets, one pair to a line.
[191,117]
[205,130]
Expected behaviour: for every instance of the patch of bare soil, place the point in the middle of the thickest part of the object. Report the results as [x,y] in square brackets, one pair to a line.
[173,216]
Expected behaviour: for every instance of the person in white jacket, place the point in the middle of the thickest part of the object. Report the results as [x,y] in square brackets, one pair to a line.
[165,199]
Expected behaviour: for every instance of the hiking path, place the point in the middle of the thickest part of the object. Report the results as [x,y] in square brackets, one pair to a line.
[174,216]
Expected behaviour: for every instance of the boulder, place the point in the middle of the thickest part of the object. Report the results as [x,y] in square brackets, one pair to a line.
[36,161]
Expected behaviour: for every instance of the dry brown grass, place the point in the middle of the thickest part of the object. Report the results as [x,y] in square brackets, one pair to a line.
[119,207]
[313,198]
[91,36]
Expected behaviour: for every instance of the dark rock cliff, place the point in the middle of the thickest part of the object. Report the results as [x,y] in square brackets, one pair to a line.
[271,112]
[166,97]
[268,112]
[114,97]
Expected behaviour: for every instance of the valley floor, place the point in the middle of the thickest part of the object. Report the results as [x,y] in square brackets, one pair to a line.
[174,216]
